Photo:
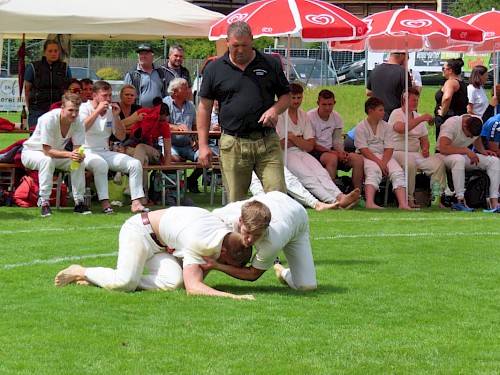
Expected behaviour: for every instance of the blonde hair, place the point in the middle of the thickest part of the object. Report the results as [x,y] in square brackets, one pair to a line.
[71,98]
[255,215]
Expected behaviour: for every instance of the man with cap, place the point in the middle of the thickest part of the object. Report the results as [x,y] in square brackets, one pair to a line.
[147,80]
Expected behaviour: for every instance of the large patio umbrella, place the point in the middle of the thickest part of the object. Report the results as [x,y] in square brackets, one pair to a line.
[489,22]
[405,30]
[311,20]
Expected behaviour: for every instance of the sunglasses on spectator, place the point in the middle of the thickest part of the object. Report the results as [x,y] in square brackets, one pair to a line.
[75,90]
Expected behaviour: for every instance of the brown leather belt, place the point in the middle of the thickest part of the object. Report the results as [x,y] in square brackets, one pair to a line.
[145,221]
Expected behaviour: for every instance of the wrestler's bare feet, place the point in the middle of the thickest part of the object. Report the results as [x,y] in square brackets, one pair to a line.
[413,204]
[278,269]
[373,206]
[406,207]
[73,273]
[348,201]
[84,283]
[322,206]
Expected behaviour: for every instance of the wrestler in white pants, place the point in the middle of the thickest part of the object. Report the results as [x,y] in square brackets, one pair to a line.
[312,175]
[432,166]
[137,251]
[45,165]
[459,163]
[99,161]
[373,174]
[293,187]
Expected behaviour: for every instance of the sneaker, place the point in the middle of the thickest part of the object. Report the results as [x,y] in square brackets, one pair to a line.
[460,207]
[46,211]
[496,210]
[81,208]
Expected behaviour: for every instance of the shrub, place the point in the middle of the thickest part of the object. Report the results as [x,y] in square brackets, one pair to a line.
[109,73]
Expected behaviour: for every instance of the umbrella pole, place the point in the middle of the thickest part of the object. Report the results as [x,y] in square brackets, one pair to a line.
[285,155]
[407,118]
[495,74]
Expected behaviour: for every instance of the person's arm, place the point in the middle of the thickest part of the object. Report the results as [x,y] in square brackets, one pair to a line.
[270,117]
[120,131]
[337,141]
[131,120]
[446,147]
[89,121]
[306,145]
[243,273]
[425,146]
[493,146]
[203,125]
[479,147]
[193,282]
[368,92]
[399,126]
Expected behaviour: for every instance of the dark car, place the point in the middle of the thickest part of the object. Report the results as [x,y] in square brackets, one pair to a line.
[353,72]
[310,72]
[4,73]
[80,72]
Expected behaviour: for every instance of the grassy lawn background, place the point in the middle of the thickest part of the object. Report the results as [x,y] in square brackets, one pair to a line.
[398,293]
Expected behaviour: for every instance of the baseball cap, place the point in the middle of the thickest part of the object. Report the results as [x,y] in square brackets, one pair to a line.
[145,47]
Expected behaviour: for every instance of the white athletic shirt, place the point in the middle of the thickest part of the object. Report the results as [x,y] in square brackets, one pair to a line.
[48,132]
[376,143]
[97,137]
[323,130]
[303,126]
[452,129]
[477,97]
[414,135]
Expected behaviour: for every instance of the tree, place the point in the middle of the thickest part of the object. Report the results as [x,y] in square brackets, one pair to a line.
[463,7]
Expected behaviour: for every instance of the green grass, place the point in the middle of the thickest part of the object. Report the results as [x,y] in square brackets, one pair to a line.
[399,293]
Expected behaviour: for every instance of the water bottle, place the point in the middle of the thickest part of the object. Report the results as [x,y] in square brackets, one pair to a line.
[87,197]
[435,192]
[75,164]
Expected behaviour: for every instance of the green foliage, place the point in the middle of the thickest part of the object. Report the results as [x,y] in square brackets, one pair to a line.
[463,7]
[109,73]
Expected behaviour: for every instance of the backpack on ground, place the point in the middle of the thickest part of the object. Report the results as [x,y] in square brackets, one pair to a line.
[478,186]
[26,194]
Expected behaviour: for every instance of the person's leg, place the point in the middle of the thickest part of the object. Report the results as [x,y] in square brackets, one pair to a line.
[491,164]
[255,186]
[77,178]
[236,166]
[399,156]
[373,176]
[165,273]
[330,162]
[355,162]
[99,168]
[434,167]
[397,177]
[45,165]
[269,166]
[301,274]
[456,163]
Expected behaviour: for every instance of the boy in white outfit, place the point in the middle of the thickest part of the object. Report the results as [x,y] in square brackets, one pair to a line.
[271,222]
[456,135]
[418,145]
[374,141]
[170,244]
[301,141]
[45,151]
[101,119]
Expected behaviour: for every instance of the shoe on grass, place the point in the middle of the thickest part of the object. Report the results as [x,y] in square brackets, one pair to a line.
[46,211]
[495,210]
[461,206]
[81,208]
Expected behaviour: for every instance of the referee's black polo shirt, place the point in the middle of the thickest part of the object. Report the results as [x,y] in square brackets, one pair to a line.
[244,95]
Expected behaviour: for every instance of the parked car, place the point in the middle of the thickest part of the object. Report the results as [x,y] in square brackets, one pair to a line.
[353,72]
[81,72]
[4,73]
[310,72]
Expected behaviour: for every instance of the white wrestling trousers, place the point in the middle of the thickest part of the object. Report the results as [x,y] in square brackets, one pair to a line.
[459,163]
[293,187]
[373,173]
[137,251]
[100,161]
[45,165]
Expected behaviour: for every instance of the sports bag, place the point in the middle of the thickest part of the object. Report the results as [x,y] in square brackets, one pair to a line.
[478,186]
[26,194]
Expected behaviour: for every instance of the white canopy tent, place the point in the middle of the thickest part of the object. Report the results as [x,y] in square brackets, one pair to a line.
[108,19]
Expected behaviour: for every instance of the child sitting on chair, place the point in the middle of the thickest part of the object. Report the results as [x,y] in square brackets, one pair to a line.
[374,141]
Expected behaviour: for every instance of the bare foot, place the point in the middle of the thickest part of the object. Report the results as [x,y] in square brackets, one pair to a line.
[348,201]
[71,274]
[406,207]
[137,207]
[412,204]
[322,206]
[373,206]
[278,269]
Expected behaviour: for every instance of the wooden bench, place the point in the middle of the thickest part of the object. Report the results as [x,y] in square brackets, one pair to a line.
[8,175]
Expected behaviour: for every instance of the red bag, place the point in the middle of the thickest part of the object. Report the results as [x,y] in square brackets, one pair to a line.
[26,194]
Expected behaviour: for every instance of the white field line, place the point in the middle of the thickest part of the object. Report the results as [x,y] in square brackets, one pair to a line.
[424,234]
[36,230]
[395,219]
[55,260]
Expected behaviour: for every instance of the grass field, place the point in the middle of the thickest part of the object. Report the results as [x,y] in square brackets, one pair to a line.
[398,293]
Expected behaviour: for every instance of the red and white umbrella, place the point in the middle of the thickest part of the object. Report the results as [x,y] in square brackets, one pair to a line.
[311,20]
[404,30]
[489,22]
[412,30]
